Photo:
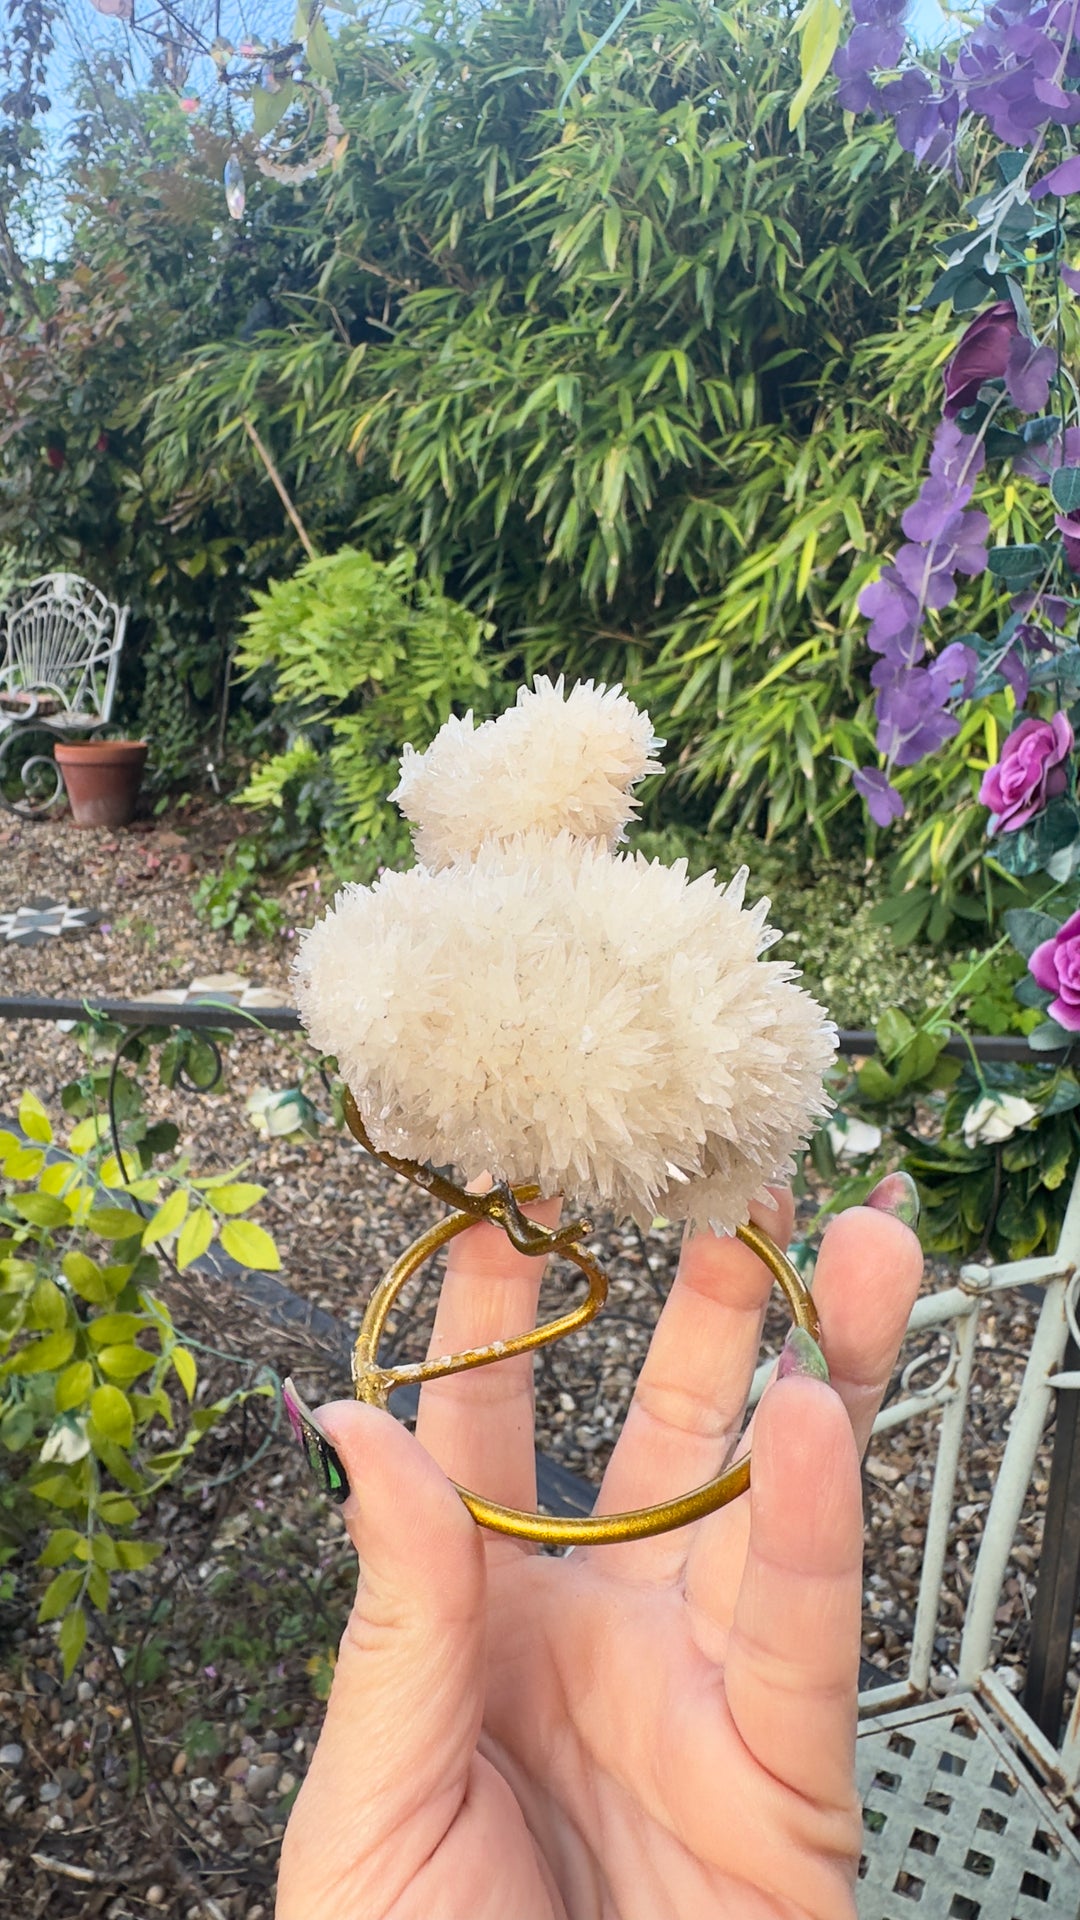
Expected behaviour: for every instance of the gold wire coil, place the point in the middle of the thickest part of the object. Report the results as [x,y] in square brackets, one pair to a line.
[374,1383]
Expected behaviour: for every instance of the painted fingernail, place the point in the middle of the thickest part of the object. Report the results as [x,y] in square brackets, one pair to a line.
[322,1455]
[801,1354]
[896,1194]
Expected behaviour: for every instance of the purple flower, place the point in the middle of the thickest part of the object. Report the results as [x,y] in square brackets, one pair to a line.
[1055,967]
[983,354]
[925,575]
[1029,774]
[893,612]
[956,457]
[1038,463]
[883,803]
[1061,180]
[1028,373]
[956,667]
[1068,525]
[1071,277]
[1049,606]
[911,710]
[938,500]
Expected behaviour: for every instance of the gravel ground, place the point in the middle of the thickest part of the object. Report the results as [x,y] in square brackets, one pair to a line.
[158,1779]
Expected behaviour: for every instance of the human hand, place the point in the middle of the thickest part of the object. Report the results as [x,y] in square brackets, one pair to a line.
[662,1730]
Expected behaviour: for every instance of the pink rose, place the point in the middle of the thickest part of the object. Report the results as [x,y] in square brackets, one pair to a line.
[983,354]
[1029,773]
[1055,966]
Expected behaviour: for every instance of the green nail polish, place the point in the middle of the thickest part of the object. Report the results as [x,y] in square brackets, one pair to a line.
[322,1456]
[896,1194]
[801,1354]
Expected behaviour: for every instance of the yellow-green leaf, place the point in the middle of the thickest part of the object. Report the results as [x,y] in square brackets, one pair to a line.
[132,1554]
[320,54]
[73,1386]
[195,1236]
[60,1177]
[48,1306]
[34,1120]
[113,1223]
[59,1594]
[72,1639]
[24,1163]
[113,1175]
[97,1587]
[235,1197]
[60,1490]
[124,1362]
[111,1327]
[88,1132]
[91,1282]
[168,1218]
[62,1544]
[818,27]
[117,1510]
[110,1410]
[250,1245]
[45,1355]
[42,1209]
[185,1369]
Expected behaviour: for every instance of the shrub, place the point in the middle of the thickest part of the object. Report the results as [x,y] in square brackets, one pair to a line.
[93,1372]
[362,656]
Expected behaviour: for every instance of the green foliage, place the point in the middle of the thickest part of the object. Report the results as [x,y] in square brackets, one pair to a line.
[363,656]
[92,1369]
[230,897]
[637,383]
[147,268]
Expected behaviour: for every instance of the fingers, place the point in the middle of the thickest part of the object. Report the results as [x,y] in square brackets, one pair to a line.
[865,1282]
[867,1276]
[688,1404]
[791,1665]
[404,1710]
[479,1425]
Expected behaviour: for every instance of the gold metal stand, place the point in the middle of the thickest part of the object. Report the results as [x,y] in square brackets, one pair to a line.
[374,1383]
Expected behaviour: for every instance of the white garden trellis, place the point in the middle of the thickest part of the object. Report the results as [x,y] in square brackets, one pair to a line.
[971,1812]
[60,645]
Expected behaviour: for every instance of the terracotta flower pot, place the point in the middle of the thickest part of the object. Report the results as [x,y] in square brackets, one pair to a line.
[102,778]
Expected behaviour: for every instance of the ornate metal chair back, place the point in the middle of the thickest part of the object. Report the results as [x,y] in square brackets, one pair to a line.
[62,639]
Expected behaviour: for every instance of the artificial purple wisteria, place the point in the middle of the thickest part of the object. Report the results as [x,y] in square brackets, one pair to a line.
[1018,70]
[1010,72]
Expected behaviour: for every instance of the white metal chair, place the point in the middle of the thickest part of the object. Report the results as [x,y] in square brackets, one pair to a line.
[61,644]
[970,1811]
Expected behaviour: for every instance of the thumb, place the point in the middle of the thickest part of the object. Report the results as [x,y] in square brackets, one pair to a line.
[391,1766]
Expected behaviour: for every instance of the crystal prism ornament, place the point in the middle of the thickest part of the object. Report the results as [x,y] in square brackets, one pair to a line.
[234,186]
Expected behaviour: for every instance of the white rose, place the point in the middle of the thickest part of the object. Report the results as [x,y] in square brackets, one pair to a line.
[995,1116]
[850,1139]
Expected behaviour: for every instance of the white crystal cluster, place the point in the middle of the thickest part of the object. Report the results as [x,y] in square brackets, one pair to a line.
[528,1003]
[554,760]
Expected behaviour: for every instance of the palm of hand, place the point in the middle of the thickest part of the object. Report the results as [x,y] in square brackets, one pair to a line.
[644,1732]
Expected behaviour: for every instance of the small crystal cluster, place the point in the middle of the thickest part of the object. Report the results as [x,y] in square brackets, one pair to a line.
[529,1003]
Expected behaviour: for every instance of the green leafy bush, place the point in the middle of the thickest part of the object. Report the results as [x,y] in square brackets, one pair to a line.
[98,1389]
[635,376]
[362,656]
[230,896]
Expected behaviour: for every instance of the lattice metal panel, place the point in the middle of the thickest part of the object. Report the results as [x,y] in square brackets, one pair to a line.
[954,1826]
